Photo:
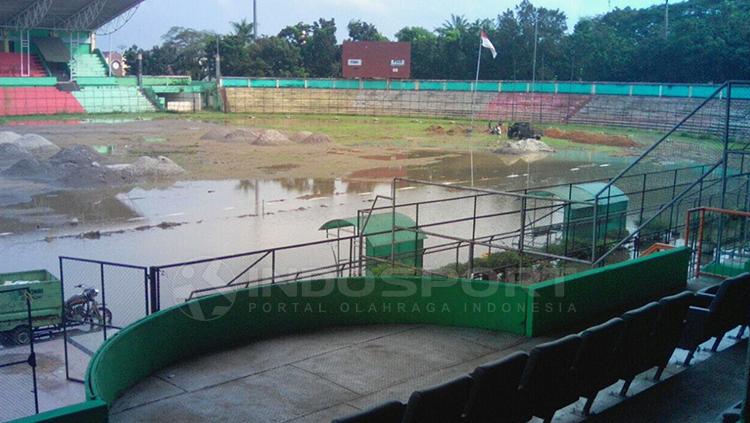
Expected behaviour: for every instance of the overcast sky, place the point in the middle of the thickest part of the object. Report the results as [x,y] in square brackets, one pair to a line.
[155,17]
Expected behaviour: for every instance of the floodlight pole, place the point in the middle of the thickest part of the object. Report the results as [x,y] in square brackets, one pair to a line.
[666,19]
[473,110]
[255,19]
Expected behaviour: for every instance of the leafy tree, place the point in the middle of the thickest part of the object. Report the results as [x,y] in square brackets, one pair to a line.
[321,55]
[363,31]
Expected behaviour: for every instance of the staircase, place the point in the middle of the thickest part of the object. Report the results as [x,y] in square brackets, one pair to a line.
[88,65]
[713,135]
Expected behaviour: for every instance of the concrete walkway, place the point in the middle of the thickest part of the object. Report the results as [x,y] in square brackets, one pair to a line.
[313,377]
[318,376]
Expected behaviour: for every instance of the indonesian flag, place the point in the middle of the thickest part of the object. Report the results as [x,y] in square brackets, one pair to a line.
[486,43]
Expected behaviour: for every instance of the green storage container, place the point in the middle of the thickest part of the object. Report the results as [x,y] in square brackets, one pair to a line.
[46,299]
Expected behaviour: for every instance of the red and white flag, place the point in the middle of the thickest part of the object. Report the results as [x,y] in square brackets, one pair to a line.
[486,43]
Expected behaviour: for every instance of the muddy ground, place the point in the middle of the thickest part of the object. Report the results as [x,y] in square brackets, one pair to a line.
[185,142]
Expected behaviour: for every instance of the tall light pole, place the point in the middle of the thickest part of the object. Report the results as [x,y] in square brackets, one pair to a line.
[666,19]
[255,19]
[536,39]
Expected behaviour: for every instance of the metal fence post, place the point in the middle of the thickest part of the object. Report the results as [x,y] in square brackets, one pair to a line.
[154,289]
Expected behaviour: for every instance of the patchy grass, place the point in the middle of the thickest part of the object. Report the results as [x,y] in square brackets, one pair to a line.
[384,131]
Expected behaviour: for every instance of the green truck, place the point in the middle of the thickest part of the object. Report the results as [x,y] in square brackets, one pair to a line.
[45,292]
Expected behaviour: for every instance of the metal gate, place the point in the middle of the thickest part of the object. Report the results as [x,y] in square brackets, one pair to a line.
[18,362]
[121,298]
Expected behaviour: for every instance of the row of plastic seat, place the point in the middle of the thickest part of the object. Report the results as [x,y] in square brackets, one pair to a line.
[556,374]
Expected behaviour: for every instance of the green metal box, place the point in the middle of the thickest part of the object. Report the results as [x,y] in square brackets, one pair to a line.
[46,299]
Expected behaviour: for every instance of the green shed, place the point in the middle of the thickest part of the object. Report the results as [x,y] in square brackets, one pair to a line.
[378,235]
[611,209]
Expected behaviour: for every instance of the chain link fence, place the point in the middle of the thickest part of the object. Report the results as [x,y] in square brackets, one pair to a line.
[18,382]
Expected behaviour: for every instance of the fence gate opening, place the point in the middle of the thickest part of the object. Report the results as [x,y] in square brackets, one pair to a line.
[100,298]
[17,358]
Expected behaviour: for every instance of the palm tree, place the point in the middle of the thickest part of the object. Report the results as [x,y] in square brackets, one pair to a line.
[244,30]
[457,23]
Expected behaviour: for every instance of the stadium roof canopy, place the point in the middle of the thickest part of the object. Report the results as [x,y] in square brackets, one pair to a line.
[62,15]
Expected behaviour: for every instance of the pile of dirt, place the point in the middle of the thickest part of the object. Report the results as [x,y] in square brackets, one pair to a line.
[315,139]
[300,137]
[78,155]
[36,144]
[272,137]
[527,146]
[153,167]
[216,134]
[435,130]
[31,168]
[8,137]
[248,135]
[593,138]
[11,153]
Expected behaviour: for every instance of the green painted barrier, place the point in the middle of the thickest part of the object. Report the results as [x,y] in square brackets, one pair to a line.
[247,315]
[515,87]
[584,297]
[28,82]
[431,86]
[93,411]
[345,84]
[488,86]
[403,85]
[543,87]
[375,84]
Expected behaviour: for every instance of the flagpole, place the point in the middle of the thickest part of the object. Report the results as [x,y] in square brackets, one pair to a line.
[473,110]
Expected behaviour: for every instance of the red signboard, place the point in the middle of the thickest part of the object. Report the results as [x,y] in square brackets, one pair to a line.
[376,60]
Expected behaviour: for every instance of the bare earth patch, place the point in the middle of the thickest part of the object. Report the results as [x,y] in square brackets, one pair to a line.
[592,138]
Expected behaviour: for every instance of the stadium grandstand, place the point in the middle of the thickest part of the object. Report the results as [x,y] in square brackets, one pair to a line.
[50,64]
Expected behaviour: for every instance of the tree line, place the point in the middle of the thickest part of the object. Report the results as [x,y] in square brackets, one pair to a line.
[702,41]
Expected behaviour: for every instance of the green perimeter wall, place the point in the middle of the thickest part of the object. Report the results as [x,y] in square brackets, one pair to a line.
[598,294]
[222,321]
[578,88]
[252,314]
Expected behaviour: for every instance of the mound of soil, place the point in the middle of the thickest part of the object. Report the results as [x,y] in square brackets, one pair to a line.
[272,137]
[8,137]
[216,134]
[11,153]
[76,155]
[593,138]
[435,130]
[300,137]
[245,135]
[317,139]
[151,167]
[31,168]
[36,144]
[527,146]
[92,174]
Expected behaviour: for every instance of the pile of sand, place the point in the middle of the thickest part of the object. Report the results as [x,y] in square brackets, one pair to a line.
[216,134]
[527,146]
[272,137]
[8,137]
[31,168]
[32,143]
[306,137]
[154,167]
[244,135]
[264,137]
[78,155]
[36,144]
[11,153]
[300,137]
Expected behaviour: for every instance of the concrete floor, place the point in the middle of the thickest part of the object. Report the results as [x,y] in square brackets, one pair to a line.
[313,377]
[318,376]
